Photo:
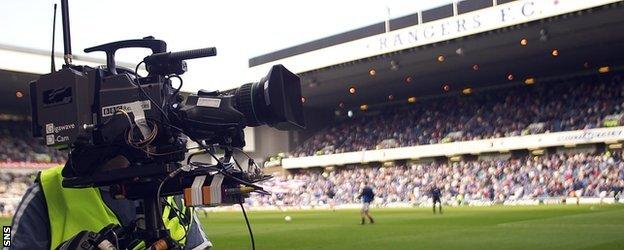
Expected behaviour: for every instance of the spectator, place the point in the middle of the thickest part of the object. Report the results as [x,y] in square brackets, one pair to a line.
[576,104]
[531,177]
[12,188]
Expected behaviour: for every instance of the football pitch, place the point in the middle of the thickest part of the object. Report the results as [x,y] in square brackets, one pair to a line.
[527,227]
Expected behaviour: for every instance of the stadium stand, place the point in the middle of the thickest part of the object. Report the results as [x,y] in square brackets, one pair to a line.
[564,97]
[17,145]
[12,188]
[562,105]
[573,104]
[599,175]
[20,156]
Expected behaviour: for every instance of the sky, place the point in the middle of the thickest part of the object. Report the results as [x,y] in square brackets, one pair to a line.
[239,29]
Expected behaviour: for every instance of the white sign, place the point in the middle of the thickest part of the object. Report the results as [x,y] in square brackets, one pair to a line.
[596,135]
[209,102]
[49,128]
[250,139]
[487,19]
[112,109]
[49,139]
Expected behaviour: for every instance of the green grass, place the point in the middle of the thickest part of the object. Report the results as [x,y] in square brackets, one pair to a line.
[532,227]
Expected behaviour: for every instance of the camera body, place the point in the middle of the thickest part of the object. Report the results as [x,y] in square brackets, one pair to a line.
[129,132]
[74,102]
[98,113]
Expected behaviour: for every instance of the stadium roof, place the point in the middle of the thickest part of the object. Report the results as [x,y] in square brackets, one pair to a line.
[589,34]
[584,38]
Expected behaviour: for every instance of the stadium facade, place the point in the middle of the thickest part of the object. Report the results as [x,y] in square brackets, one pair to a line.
[457,49]
[407,57]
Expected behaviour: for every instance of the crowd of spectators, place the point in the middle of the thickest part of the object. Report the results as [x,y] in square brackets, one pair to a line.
[18,145]
[530,177]
[12,187]
[573,104]
[568,105]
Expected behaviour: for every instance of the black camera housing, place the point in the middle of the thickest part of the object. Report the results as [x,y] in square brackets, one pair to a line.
[96,112]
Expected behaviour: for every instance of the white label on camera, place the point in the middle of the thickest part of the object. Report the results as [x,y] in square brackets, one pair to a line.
[209,102]
[61,128]
[49,139]
[112,109]
[197,192]
[49,128]
[60,138]
[215,190]
[139,117]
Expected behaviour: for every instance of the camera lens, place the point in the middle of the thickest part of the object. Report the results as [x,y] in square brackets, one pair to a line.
[245,102]
[275,100]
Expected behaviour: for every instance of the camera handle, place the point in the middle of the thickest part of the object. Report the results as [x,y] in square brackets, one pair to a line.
[157,46]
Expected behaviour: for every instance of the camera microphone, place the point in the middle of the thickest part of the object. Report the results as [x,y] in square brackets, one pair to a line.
[192,54]
[181,55]
[172,62]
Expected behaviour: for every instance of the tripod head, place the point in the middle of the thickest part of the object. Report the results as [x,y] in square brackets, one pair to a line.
[199,183]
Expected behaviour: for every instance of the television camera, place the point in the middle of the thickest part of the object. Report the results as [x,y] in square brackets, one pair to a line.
[130,132]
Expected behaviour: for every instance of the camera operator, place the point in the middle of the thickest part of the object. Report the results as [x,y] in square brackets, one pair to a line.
[50,215]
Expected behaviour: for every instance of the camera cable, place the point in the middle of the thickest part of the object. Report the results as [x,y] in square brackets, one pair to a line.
[172,174]
[253,243]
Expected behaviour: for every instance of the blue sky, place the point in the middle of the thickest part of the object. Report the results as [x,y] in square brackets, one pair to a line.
[239,29]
